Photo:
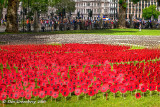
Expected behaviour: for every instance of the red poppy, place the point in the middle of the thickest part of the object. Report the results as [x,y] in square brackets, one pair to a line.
[50,92]
[39,83]
[27,90]
[25,83]
[152,87]
[85,89]
[88,82]
[57,86]
[13,86]
[158,88]
[22,93]
[16,95]
[78,91]
[31,87]
[91,92]
[123,89]
[104,88]
[8,91]
[95,90]
[131,87]
[42,94]
[55,94]
[2,88]
[98,86]
[138,95]
[113,89]
[143,88]
[28,96]
[65,92]
[35,92]
[3,95]
[70,88]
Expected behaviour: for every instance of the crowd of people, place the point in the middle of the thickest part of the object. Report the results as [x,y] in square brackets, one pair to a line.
[3,22]
[76,24]
[79,24]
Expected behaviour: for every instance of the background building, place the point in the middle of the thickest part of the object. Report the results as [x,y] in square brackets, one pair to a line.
[136,9]
[108,8]
[98,7]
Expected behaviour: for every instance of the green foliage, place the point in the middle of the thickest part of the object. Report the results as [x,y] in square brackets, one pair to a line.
[147,12]
[68,5]
[41,6]
[124,5]
[120,1]
[135,1]
[3,3]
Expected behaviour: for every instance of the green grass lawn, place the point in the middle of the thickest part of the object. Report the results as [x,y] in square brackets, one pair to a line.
[102,32]
[96,101]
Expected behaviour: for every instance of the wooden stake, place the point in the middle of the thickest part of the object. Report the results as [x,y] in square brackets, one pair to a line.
[16,102]
[3,103]
[77,97]
[114,95]
[106,96]
[28,103]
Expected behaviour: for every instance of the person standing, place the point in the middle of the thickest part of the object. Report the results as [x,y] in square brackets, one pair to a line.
[140,26]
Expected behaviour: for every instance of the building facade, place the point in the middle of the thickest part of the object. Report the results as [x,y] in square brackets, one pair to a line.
[98,7]
[137,9]
[110,8]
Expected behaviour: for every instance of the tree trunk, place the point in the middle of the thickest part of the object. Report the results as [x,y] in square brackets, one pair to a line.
[36,19]
[12,21]
[1,10]
[122,16]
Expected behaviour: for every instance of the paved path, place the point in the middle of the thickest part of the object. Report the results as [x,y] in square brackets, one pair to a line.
[148,41]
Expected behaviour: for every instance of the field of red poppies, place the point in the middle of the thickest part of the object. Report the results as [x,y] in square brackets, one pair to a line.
[29,71]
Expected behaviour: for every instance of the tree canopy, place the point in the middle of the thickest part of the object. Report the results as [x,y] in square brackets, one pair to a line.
[147,12]
[68,5]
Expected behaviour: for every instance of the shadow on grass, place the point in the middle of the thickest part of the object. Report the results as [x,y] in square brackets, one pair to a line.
[100,31]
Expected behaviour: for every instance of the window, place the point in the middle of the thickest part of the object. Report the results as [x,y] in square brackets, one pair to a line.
[88,10]
[99,4]
[99,10]
[88,4]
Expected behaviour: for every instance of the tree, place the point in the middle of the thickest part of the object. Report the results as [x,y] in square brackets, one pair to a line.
[12,22]
[122,12]
[68,5]
[37,6]
[147,12]
[3,3]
